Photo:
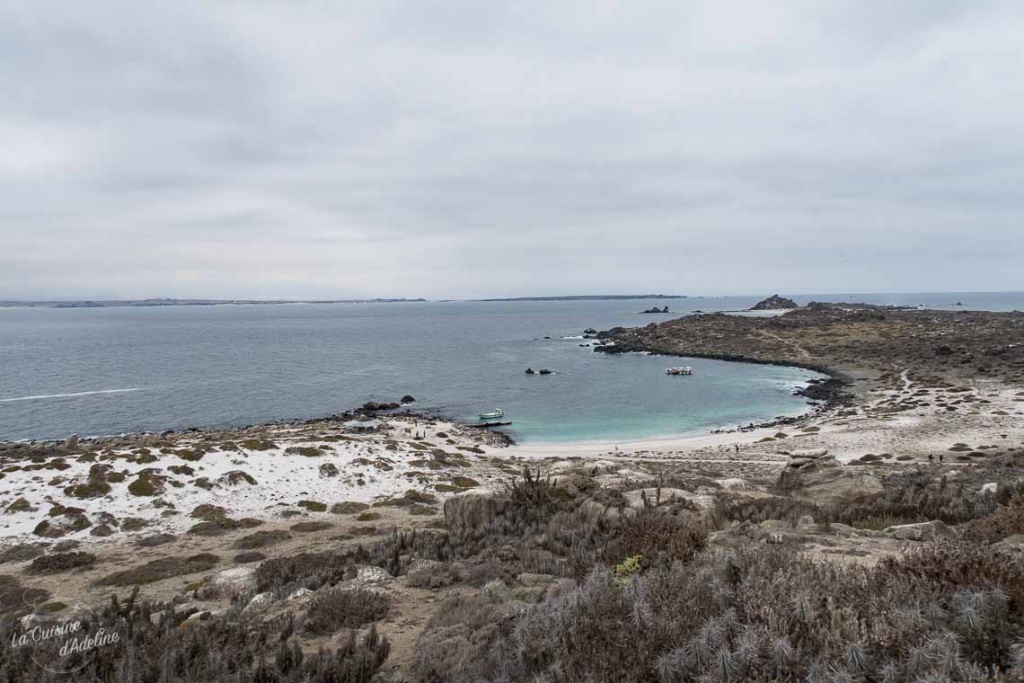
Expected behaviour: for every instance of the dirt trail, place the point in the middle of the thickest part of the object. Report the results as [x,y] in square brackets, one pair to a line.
[804,353]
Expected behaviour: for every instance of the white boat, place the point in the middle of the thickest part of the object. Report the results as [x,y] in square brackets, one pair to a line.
[679,371]
[495,414]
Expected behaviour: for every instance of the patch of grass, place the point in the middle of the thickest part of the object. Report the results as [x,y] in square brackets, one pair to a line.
[311,527]
[190,455]
[312,505]
[208,512]
[147,484]
[306,451]
[258,445]
[133,524]
[15,599]
[236,477]
[158,570]
[410,497]
[221,525]
[61,562]
[20,505]
[247,558]
[95,487]
[23,552]
[261,539]
[348,508]
[154,540]
[368,516]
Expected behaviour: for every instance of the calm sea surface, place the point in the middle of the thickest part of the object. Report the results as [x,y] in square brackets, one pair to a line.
[109,370]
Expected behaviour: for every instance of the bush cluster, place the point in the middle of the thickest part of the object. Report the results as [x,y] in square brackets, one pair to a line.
[158,644]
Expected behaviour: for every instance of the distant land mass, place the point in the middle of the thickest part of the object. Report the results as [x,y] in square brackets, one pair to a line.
[590,297]
[188,302]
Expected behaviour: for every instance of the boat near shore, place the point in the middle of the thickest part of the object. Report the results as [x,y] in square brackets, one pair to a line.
[679,371]
[495,414]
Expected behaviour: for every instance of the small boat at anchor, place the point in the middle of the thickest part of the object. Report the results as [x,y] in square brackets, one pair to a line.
[495,414]
[679,371]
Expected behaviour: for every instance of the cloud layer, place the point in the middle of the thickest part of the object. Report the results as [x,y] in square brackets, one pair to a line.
[460,149]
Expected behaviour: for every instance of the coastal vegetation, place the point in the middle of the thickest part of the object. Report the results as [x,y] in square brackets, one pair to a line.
[882,540]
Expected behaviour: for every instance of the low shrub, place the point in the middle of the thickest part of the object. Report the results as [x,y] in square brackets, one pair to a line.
[61,562]
[310,527]
[261,539]
[336,608]
[158,570]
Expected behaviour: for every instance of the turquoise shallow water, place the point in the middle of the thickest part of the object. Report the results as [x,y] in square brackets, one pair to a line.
[108,371]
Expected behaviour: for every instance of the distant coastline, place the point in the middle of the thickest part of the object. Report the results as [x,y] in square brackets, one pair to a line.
[140,303]
[161,302]
[590,297]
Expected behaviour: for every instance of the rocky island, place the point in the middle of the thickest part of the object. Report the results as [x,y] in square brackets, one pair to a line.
[774,303]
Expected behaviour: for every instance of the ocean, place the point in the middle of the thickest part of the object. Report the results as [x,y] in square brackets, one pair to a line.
[102,371]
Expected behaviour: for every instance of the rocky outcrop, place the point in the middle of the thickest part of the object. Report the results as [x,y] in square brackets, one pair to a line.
[823,481]
[374,406]
[774,303]
[234,581]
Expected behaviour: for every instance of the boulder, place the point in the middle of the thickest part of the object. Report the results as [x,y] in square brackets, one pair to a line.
[234,581]
[1012,543]
[807,453]
[202,615]
[371,576]
[260,603]
[300,594]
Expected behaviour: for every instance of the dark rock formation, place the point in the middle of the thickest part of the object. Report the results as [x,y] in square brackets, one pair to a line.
[831,390]
[774,303]
[374,406]
[529,371]
[655,309]
[408,399]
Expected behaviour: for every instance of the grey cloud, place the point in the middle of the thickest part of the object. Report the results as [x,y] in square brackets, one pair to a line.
[471,149]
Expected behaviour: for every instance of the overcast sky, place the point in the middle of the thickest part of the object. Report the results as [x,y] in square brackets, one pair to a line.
[466,148]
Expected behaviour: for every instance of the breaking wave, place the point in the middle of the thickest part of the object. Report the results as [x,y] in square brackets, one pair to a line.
[74,395]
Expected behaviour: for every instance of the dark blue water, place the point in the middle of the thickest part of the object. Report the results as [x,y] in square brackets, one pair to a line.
[172,368]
